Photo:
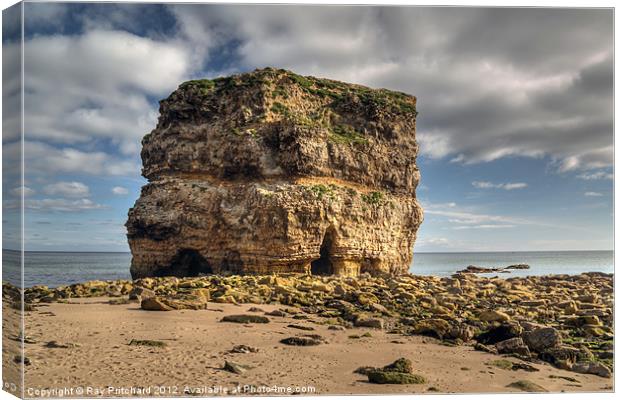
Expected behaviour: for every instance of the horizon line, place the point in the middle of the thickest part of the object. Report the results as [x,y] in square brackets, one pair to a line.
[414,253]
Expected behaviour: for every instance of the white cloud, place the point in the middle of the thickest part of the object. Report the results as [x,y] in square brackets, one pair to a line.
[96,86]
[119,190]
[598,175]
[478,102]
[17,192]
[593,194]
[484,226]
[45,160]
[67,189]
[59,205]
[464,217]
[505,186]
[456,215]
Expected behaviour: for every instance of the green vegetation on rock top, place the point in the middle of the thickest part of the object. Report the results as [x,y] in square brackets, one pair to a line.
[395,101]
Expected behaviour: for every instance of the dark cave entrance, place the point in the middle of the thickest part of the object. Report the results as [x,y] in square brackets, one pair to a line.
[189,262]
[323,266]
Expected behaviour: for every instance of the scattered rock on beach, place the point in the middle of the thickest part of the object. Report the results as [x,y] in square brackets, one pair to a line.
[58,345]
[21,359]
[235,368]
[336,328]
[512,366]
[300,327]
[513,346]
[154,304]
[578,308]
[395,378]
[246,319]
[493,316]
[500,333]
[434,326]
[542,338]
[527,386]
[276,313]
[593,368]
[370,322]
[305,340]
[399,372]
[146,342]
[243,349]
[485,348]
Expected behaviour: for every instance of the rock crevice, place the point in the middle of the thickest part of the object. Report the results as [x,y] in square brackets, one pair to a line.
[270,171]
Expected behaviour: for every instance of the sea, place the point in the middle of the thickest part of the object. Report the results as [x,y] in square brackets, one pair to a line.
[60,268]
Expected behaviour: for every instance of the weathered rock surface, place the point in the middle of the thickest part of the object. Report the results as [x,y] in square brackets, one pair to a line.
[270,171]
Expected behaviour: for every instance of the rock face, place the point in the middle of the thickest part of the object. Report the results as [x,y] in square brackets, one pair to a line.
[270,171]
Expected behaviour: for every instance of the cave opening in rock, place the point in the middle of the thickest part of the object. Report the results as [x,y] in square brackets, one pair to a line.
[323,265]
[189,262]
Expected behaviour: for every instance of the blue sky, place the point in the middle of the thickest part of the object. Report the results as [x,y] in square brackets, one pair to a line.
[515,124]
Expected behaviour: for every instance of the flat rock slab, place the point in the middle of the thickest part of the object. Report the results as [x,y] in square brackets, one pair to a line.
[246,319]
[398,378]
[306,340]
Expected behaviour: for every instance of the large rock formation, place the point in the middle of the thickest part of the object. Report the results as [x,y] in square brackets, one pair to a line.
[270,171]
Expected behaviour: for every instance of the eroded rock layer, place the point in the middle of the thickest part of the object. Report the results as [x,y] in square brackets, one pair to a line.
[274,172]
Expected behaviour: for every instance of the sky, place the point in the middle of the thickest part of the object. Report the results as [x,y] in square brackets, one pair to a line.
[515,106]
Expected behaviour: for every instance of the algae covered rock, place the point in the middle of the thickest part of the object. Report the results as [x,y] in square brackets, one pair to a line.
[400,372]
[246,319]
[304,340]
[392,377]
[270,171]
[527,386]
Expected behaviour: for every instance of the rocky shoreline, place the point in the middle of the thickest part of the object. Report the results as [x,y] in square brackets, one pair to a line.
[559,319]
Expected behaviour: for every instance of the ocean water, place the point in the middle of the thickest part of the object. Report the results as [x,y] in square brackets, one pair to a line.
[56,268]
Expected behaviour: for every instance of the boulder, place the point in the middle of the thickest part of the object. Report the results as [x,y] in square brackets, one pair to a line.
[527,386]
[235,368]
[395,378]
[154,304]
[561,355]
[513,346]
[246,319]
[594,368]
[542,338]
[500,333]
[493,316]
[305,340]
[434,326]
[370,322]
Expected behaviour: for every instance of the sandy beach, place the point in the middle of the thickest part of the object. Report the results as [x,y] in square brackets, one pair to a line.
[92,355]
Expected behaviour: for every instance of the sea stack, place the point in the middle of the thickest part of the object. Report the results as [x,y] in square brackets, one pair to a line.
[273,172]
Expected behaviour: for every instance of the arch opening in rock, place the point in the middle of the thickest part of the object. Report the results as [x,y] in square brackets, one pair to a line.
[188,262]
[323,265]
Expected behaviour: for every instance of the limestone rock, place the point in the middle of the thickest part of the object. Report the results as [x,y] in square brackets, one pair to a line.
[527,386]
[493,316]
[235,368]
[594,368]
[370,322]
[542,338]
[395,378]
[304,340]
[514,345]
[154,304]
[270,172]
[246,319]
